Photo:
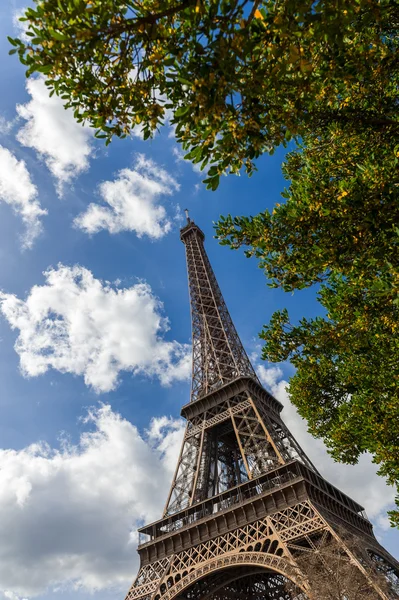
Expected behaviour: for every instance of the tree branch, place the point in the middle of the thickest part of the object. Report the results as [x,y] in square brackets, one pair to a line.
[132,24]
[253,11]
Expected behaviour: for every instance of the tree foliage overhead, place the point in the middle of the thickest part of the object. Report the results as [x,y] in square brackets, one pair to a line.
[338,227]
[239,77]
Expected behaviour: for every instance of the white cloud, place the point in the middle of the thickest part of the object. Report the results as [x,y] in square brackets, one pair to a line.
[17,190]
[5,125]
[69,516]
[63,144]
[359,481]
[21,27]
[8,595]
[77,324]
[133,202]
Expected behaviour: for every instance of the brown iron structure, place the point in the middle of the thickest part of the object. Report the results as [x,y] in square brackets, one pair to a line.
[245,501]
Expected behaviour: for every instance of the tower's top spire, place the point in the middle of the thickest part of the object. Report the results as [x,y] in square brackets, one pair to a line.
[218,354]
[189,227]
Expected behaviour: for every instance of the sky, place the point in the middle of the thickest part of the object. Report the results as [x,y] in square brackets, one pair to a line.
[95,339]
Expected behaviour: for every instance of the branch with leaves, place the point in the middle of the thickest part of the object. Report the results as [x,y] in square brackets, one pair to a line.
[240,78]
[337,226]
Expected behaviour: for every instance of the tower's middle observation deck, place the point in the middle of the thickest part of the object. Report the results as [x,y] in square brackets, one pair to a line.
[278,492]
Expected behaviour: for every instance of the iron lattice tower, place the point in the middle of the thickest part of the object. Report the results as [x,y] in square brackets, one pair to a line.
[246,503]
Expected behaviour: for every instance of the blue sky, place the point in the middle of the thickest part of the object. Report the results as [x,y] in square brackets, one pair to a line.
[80,418]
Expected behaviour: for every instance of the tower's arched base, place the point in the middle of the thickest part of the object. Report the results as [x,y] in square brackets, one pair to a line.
[243,583]
[243,575]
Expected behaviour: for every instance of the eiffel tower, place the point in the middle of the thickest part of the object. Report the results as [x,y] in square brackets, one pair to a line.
[246,504]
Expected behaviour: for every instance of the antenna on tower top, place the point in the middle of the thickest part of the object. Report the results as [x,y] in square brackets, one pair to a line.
[187,217]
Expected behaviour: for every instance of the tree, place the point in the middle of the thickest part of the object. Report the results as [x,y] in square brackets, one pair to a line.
[338,227]
[332,570]
[239,77]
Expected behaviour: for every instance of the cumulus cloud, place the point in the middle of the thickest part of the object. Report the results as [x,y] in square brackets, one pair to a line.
[69,515]
[21,27]
[17,190]
[6,125]
[77,324]
[359,481]
[8,595]
[63,144]
[132,202]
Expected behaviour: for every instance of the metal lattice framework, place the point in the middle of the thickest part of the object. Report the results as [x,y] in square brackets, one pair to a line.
[234,441]
[242,583]
[218,354]
[245,502]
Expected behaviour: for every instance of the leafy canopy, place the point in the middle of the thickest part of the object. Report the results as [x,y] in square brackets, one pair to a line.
[239,78]
[338,227]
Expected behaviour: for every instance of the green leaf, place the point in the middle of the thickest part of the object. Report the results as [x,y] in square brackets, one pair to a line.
[45,69]
[181,111]
[184,81]
[58,35]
